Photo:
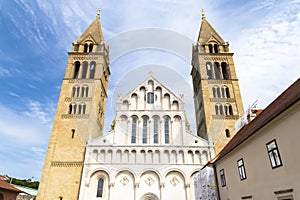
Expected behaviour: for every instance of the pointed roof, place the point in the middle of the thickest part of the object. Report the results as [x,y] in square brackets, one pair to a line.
[207,32]
[94,30]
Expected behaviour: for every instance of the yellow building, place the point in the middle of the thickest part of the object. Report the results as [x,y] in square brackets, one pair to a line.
[79,115]
[217,96]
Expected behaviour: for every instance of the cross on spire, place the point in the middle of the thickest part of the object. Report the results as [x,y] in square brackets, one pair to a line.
[98,13]
[203,14]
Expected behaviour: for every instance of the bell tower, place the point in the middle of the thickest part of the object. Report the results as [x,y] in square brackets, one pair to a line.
[217,96]
[79,115]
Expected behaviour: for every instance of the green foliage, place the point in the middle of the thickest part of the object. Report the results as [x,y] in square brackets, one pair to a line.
[25,183]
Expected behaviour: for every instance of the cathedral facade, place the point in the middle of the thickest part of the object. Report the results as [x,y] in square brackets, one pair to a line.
[149,153]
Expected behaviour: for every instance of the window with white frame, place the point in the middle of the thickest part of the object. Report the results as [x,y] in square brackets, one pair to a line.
[241,167]
[273,153]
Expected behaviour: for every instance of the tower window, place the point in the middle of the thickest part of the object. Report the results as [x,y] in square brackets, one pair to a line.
[60,198]
[133,132]
[227,92]
[225,71]
[210,47]
[217,70]
[84,69]
[92,70]
[209,70]
[221,110]
[227,132]
[83,109]
[73,133]
[218,92]
[76,70]
[145,122]
[79,108]
[217,109]
[91,47]
[216,48]
[167,131]
[86,46]
[214,92]
[75,91]
[100,187]
[70,109]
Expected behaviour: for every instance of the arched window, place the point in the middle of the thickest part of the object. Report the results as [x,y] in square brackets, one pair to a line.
[167,130]
[92,69]
[214,92]
[225,70]
[209,70]
[74,108]
[91,47]
[100,187]
[86,91]
[217,109]
[86,46]
[133,131]
[76,69]
[73,133]
[217,70]
[218,92]
[75,91]
[84,70]
[226,109]
[210,47]
[155,124]
[221,110]
[223,92]
[227,92]
[216,48]
[60,198]
[83,109]
[79,109]
[230,110]
[145,128]
[227,132]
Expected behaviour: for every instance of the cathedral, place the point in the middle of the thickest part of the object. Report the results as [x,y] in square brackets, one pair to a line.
[150,152]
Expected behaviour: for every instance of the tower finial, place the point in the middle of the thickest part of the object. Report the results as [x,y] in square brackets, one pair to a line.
[98,13]
[203,14]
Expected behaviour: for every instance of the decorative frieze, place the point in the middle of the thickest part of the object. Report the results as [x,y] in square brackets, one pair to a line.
[226,117]
[220,81]
[76,99]
[81,80]
[66,164]
[75,116]
[222,100]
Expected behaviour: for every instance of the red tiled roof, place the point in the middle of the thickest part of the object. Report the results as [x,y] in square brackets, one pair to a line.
[289,97]
[7,186]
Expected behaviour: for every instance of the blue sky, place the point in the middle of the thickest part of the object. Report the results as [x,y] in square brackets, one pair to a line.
[36,36]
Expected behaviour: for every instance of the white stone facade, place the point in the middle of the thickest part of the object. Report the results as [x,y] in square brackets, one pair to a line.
[149,154]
